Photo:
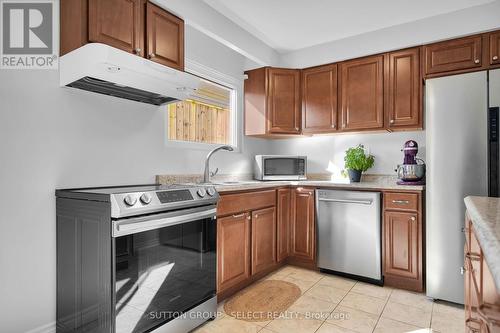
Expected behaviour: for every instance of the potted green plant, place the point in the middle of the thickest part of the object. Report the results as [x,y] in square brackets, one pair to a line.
[356,161]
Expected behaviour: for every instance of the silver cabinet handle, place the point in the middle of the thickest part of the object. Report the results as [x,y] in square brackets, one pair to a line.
[477,61]
[137,51]
[256,216]
[401,202]
[495,58]
[413,219]
[463,270]
[333,126]
[236,216]
[249,217]
[391,121]
[152,55]
[361,202]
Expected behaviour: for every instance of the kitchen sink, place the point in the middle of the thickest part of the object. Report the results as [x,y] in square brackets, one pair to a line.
[233,182]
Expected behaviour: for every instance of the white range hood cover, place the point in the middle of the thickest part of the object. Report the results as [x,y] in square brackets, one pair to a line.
[120,69]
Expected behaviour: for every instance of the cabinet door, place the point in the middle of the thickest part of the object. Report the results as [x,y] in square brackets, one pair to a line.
[283,101]
[404,82]
[165,34]
[362,100]
[495,48]
[319,99]
[401,239]
[457,54]
[303,225]
[233,250]
[263,239]
[283,224]
[118,23]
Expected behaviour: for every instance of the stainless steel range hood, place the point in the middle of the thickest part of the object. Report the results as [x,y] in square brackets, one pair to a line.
[106,70]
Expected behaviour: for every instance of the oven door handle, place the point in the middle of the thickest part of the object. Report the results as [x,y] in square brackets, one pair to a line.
[135,225]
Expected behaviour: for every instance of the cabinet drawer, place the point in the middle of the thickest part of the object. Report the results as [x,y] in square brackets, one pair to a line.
[401,201]
[242,202]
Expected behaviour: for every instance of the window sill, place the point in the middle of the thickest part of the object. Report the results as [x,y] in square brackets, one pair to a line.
[196,145]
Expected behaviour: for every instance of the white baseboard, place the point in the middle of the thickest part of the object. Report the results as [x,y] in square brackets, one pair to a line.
[48,328]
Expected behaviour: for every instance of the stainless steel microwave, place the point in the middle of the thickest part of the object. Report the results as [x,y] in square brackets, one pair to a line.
[280,167]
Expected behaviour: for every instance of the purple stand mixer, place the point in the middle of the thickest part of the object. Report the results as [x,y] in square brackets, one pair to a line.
[412,171]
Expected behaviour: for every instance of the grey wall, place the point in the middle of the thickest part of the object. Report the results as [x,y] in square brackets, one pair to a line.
[323,152]
[51,138]
[450,25]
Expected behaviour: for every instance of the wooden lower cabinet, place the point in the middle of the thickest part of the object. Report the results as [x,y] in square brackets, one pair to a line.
[263,239]
[403,241]
[246,239]
[303,238]
[283,223]
[233,250]
[482,301]
[401,244]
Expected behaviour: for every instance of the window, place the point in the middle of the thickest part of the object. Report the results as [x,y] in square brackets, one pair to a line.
[207,118]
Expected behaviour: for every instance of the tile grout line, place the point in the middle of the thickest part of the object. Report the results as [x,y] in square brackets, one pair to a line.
[381,312]
[336,306]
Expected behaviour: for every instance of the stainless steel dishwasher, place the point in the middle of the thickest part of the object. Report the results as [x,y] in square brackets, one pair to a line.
[349,233]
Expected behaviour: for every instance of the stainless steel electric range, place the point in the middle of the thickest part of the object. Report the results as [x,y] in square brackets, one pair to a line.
[136,258]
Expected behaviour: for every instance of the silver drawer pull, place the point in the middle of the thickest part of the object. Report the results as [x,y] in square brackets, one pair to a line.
[238,215]
[401,202]
[361,202]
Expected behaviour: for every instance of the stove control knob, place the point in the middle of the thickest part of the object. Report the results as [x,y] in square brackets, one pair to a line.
[211,191]
[146,198]
[130,200]
[201,192]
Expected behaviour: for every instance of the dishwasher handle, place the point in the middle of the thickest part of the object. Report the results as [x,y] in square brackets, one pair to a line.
[354,201]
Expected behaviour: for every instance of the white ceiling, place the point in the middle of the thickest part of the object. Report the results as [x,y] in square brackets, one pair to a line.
[288,25]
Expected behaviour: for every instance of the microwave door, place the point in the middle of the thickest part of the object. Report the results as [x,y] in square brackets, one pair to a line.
[283,168]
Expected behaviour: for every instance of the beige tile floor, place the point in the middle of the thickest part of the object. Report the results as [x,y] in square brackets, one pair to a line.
[331,304]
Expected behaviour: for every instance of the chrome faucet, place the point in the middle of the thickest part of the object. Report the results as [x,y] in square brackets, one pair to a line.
[207,174]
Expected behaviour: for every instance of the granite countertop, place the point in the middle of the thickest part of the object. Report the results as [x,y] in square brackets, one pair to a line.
[485,215]
[368,182]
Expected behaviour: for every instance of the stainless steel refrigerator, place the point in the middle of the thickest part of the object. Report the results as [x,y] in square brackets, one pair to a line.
[461,118]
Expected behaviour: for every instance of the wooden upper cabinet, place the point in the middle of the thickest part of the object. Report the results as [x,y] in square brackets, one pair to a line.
[319,99]
[404,89]
[263,239]
[283,223]
[118,23]
[401,244]
[135,26]
[272,102]
[495,48]
[284,101]
[233,250]
[303,226]
[454,55]
[165,37]
[361,93]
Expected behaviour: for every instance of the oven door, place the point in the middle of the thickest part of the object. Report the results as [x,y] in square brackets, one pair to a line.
[165,265]
[284,168]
